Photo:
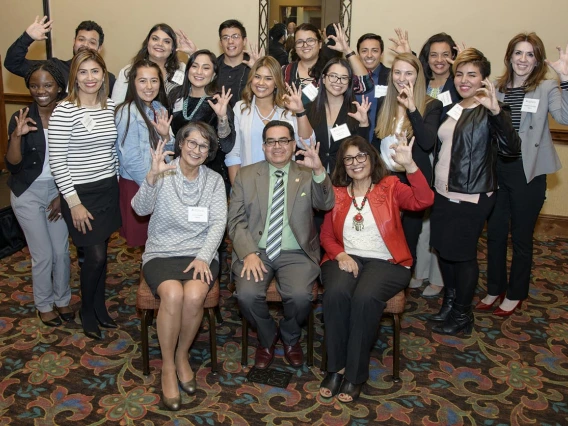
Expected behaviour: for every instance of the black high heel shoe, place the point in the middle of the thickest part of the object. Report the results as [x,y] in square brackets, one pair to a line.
[54,322]
[331,382]
[65,316]
[105,320]
[351,390]
[93,333]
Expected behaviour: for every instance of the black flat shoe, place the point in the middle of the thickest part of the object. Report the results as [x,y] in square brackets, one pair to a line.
[95,333]
[351,390]
[106,322]
[65,316]
[54,322]
[332,382]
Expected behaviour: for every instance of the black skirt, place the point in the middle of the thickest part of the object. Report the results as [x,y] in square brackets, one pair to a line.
[161,269]
[101,199]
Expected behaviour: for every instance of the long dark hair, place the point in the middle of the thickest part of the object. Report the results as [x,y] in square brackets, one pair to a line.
[318,110]
[340,177]
[316,70]
[133,98]
[425,52]
[182,92]
[172,63]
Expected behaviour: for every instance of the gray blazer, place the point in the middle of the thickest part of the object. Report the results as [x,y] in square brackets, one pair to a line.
[539,154]
[248,209]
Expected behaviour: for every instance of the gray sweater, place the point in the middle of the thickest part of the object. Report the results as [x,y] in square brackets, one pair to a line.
[170,233]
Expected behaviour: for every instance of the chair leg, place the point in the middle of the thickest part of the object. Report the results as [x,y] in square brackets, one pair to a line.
[244,343]
[323,367]
[218,315]
[311,338]
[396,349]
[147,317]
[213,337]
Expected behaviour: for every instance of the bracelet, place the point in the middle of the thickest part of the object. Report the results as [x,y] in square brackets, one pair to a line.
[350,54]
[300,114]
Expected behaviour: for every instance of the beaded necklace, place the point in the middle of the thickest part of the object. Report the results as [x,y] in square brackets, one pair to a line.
[185,103]
[358,218]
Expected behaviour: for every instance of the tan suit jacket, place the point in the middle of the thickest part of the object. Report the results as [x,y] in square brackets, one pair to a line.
[249,210]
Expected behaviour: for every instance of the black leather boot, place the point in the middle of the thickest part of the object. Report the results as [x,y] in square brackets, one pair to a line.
[460,319]
[447,303]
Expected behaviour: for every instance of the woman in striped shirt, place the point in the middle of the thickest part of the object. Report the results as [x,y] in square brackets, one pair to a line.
[84,164]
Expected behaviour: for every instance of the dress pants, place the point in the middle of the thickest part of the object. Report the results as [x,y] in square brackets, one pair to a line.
[295,275]
[427,266]
[518,206]
[352,310]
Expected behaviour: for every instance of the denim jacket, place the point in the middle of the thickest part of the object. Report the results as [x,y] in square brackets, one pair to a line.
[134,155]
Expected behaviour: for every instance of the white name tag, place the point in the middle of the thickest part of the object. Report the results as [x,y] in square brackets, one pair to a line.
[310,91]
[178,77]
[445,98]
[456,112]
[178,105]
[530,105]
[88,122]
[380,91]
[340,132]
[198,214]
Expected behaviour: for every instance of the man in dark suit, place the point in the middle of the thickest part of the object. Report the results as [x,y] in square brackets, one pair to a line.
[271,225]
[370,48]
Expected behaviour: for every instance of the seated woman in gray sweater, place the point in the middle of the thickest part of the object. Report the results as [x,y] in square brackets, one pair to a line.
[189,213]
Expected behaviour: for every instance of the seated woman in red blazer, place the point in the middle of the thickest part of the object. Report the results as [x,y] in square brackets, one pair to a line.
[367,259]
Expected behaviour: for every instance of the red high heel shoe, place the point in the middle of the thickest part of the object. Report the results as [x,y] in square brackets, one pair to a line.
[485,307]
[502,313]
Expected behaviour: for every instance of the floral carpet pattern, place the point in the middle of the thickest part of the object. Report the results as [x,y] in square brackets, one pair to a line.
[511,371]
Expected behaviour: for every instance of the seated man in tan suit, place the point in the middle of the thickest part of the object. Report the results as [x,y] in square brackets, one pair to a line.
[271,225]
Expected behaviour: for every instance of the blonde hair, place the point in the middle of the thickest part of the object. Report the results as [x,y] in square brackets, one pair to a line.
[386,121]
[273,67]
[84,55]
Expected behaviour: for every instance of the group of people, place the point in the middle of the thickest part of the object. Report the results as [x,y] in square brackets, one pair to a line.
[337,168]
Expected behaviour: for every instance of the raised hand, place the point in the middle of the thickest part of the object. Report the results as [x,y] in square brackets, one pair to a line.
[293,99]
[201,271]
[561,64]
[487,97]
[362,113]
[159,164]
[401,44]
[341,44]
[311,158]
[184,44]
[254,54]
[459,49]
[24,124]
[39,28]
[220,107]
[162,124]
[406,97]
[403,154]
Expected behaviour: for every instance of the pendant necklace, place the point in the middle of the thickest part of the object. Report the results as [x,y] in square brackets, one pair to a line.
[358,218]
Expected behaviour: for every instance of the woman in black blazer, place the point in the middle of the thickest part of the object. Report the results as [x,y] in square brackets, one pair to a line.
[35,198]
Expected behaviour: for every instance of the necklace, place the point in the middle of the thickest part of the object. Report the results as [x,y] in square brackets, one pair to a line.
[270,114]
[185,103]
[358,218]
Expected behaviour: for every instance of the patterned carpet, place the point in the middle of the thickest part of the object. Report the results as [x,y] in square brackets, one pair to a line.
[511,371]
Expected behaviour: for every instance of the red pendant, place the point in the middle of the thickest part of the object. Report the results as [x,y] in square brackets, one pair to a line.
[358,222]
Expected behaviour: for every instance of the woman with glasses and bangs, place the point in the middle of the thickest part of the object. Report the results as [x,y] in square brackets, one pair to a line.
[306,72]
[367,259]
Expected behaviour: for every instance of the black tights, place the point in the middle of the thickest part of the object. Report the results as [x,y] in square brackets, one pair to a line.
[462,276]
[93,277]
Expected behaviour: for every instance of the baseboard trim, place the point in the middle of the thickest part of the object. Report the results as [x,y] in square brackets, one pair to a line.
[551,226]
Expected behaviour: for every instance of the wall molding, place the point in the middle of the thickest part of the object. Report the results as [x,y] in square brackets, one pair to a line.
[18,98]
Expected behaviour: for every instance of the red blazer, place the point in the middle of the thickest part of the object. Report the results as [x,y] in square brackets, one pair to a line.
[386,200]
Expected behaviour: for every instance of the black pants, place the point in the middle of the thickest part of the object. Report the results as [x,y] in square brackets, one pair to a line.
[517,209]
[352,310]
[462,276]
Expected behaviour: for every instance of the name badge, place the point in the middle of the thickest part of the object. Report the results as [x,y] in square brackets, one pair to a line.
[380,91]
[88,122]
[310,91]
[340,132]
[178,106]
[456,112]
[198,214]
[530,105]
[178,78]
[445,98]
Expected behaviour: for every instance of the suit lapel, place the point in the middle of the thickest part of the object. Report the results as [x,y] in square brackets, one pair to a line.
[262,189]
[294,183]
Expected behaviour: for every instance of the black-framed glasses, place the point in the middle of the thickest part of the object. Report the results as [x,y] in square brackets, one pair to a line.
[281,142]
[361,158]
[191,144]
[309,42]
[233,37]
[334,78]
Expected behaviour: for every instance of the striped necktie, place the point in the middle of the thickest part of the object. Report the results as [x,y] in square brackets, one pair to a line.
[274,238]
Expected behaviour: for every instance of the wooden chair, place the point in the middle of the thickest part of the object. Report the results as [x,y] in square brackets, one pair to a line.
[272,296]
[395,307]
[148,304]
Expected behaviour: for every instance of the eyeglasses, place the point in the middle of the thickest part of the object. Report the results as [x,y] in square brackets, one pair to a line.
[191,144]
[334,78]
[281,142]
[361,158]
[309,42]
[233,37]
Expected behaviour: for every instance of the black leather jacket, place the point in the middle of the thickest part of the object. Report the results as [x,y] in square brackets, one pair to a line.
[477,139]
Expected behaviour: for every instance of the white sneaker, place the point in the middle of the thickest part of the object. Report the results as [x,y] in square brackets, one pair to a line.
[415,283]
